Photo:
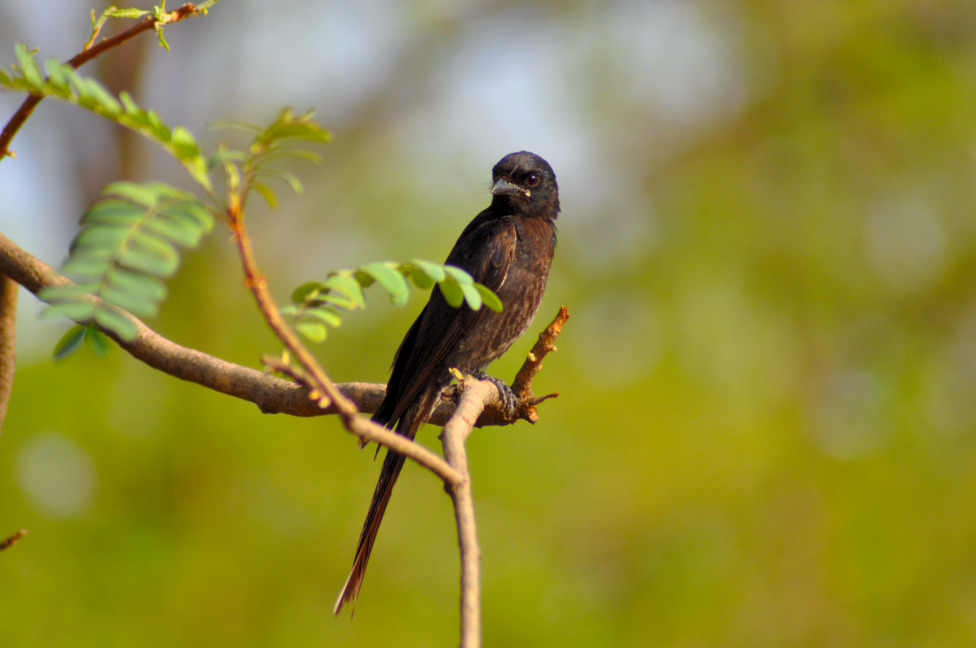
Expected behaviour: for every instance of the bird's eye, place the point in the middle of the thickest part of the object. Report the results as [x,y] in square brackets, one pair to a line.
[532,180]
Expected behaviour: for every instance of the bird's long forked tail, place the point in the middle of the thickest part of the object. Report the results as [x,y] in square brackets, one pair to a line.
[408,424]
[377,507]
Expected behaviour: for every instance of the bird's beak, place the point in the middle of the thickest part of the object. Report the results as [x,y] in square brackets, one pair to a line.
[503,187]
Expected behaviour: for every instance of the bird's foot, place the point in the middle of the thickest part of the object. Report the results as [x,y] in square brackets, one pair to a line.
[509,400]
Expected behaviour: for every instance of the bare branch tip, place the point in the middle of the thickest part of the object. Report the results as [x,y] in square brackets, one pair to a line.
[538,400]
[12,540]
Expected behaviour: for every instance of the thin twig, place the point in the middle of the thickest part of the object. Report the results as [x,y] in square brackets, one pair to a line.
[474,394]
[522,386]
[82,57]
[8,346]
[12,540]
[258,285]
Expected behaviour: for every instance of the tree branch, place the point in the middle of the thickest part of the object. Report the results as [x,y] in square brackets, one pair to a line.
[472,399]
[8,337]
[474,395]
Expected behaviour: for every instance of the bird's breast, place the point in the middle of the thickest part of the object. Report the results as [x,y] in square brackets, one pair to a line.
[520,294]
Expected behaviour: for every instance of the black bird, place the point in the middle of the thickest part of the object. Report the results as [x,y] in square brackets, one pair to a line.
[508,247]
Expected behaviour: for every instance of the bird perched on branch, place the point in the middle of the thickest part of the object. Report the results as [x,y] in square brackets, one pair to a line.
[508,247]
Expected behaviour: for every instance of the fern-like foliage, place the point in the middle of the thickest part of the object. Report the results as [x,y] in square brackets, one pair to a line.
[127,245]
[64,83]
[131,241]
[318,304]
[250,170]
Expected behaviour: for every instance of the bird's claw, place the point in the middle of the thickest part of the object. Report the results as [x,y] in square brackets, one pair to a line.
[508,398]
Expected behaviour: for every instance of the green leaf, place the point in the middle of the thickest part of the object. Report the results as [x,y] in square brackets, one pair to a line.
[67,292]
[417,276]
[314,331]
[152,244]
[266,193]
[135,303]
[97,341]
[452,292]
[137,283]
[391,280]
[203,6]
[339,301]
[125,13]
[184,144]
[363,278]
[287,177]
[76,86]
[99,237]
[56,78]
[92,254]
[177,226]
[472,296]
[460,275]
[112,212]
[175,230]
[305,290]
[288,126]
[147,194]
[114,321]
[302,131]
[128,104]
[190,209]
[162,41]
[86,266]
[28,68]
[74,310]
[433,270]
[348,286]
[325,314]
[144,261]
[155,126]
[69,342]
[489,298]
[104,99]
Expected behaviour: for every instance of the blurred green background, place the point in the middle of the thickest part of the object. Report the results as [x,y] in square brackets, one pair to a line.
[766,429]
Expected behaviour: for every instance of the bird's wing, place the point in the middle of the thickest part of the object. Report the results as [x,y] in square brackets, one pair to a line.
[485,250]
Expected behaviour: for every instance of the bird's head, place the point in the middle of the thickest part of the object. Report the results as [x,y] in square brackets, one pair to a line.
[525,183]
